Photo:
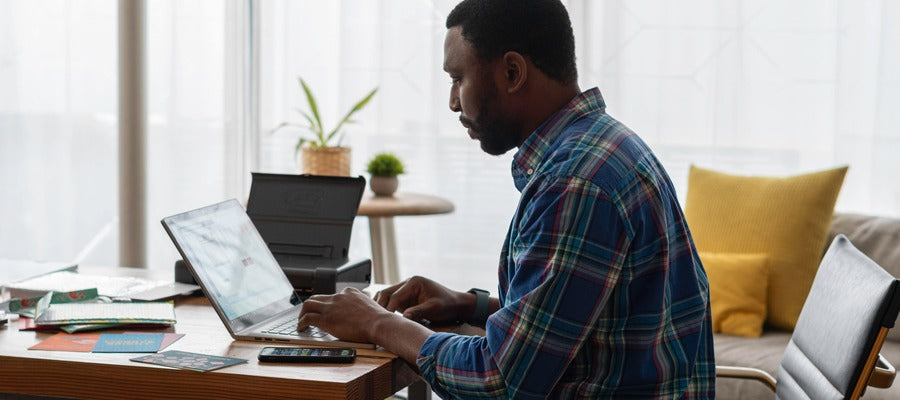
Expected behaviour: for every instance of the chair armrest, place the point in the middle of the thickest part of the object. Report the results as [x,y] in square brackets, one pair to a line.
[746,373]
[883,374]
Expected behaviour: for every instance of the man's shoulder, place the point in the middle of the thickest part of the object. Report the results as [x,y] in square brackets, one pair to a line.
[600,149]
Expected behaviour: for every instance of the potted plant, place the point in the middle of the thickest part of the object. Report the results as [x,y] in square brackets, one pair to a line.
[384,168]
[320,150]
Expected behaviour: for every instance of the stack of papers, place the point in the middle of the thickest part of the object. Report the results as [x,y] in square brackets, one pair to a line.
[83,313]
[107,313]
[118,286]
[12,271]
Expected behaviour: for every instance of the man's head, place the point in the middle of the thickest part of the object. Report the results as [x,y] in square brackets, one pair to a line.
[511,62]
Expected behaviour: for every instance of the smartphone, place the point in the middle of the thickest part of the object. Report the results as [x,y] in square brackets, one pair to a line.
[307,354]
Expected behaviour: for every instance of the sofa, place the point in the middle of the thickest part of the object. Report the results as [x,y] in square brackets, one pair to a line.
[877,237]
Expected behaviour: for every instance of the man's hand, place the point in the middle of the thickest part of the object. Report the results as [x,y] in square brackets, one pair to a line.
[349,315]
[352,315]
[419,298]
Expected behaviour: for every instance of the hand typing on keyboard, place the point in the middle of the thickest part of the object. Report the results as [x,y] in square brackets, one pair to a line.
[288,327]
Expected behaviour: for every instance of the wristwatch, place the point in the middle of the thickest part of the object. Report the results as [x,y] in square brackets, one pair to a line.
[481,306]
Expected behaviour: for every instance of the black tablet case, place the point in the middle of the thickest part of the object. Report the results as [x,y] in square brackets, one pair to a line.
[306,220]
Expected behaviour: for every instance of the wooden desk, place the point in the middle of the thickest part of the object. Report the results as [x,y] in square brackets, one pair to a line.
[375,374]
[381,211]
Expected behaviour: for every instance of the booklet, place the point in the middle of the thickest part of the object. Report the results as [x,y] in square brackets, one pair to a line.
[106,313]
[85,342]
[128,343]
[192,361]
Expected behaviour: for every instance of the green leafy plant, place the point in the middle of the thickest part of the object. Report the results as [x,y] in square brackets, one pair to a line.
[320,136]
[385,164]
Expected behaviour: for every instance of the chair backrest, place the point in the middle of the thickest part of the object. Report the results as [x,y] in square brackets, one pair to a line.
[852,304]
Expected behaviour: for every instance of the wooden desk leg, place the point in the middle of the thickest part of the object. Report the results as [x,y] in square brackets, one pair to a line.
[384,250]
[418,390]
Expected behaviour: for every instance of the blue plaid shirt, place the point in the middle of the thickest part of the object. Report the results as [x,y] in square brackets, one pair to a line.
[602,293]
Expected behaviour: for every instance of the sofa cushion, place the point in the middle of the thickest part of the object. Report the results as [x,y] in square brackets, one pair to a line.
[737,292]
[877,237]
[765,353]
[785,218]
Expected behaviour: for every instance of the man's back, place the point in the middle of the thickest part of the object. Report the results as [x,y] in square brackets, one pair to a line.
[599,272]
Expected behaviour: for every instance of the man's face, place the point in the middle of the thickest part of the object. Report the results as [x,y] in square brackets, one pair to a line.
[475,96]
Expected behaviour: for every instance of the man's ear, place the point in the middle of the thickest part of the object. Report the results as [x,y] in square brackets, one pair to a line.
[516,71]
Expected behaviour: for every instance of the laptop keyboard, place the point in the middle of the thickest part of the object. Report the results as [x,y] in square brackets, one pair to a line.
[288,327]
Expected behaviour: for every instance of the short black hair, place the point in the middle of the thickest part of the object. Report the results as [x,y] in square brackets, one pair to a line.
[538,29]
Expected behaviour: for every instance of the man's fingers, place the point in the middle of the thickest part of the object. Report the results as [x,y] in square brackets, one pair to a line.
[400,299]
[416,312]
[312,304]
[306,320]
[320,297]
[384,296]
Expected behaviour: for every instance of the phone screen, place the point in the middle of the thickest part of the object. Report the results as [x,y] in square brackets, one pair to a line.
[308,352]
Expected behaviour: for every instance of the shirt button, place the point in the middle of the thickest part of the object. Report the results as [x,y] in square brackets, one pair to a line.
[530,171]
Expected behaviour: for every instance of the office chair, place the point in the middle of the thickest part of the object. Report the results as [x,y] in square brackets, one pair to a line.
[833,351]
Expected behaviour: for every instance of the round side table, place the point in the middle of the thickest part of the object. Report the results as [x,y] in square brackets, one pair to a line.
[381,211]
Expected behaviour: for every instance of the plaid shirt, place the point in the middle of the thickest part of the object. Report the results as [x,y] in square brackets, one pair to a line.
[602,293]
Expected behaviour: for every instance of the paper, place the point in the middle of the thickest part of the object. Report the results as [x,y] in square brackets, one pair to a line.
[85,342]
[26,306]
[113,313]
[192,361]
[17,270]
[66,342]
[112,286]
[73,328]
[128,343]
[168,338]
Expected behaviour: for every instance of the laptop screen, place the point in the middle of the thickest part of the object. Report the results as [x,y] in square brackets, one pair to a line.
[235,268]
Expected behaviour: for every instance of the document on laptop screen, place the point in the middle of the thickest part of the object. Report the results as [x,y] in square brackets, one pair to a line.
[226,250]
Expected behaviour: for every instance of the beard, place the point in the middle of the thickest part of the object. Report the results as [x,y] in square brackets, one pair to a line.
[496,133]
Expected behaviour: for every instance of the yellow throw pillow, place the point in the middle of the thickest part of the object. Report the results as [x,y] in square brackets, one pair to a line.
[737,292]
[785,218]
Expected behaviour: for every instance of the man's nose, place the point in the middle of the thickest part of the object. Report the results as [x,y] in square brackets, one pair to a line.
[454,103]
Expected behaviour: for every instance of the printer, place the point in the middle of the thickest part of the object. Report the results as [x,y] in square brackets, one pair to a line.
[306,220]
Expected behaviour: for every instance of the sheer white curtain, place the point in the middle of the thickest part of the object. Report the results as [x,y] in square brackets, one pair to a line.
[750,87]
[58,124]
[192,103]
[755,87]
[58,142]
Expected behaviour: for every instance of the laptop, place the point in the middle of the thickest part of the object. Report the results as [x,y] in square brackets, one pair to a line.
[239,275]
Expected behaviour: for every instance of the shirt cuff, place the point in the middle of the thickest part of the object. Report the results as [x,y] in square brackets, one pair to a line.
[427,357]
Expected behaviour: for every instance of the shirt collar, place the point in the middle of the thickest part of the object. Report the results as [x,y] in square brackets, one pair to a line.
[544,139]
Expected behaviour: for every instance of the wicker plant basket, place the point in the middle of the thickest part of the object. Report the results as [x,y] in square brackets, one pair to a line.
[331,161]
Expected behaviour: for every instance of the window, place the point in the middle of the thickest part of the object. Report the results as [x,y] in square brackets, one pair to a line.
[751,87]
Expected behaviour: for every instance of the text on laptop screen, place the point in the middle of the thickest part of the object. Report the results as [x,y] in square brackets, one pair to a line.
[223,246]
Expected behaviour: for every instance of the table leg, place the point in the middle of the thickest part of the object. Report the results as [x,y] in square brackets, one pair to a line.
[384,250]
[418,390]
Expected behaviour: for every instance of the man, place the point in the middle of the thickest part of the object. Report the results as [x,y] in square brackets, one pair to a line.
[601,291]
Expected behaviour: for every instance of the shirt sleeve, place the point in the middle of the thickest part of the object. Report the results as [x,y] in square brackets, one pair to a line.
[566,257]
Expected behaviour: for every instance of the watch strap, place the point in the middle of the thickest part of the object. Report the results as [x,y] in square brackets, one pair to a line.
[482,298]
